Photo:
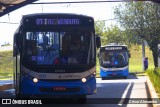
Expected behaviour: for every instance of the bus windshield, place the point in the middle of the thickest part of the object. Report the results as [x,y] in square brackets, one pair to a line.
[56,48]
[110,59]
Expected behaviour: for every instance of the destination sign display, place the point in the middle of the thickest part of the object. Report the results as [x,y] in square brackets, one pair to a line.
[113,48]
[110,48]
[52,21]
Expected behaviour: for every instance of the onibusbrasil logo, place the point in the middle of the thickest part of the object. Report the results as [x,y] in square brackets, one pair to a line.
[17,101]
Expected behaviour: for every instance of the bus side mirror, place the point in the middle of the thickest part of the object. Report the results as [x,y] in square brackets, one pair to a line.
[129,55]
[15,50]
[98,41]
[20,48]
[19,45]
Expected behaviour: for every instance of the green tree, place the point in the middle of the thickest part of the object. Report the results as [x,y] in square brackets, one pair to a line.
[100,29]
[110,34]
[115,35]
[141,20]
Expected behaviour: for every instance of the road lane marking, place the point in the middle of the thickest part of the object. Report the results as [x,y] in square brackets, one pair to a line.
[124,94]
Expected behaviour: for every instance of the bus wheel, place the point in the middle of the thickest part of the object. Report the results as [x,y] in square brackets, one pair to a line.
[82,99]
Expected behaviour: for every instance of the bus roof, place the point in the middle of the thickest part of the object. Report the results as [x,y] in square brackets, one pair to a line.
[114,44]
[55,14]
[44,20]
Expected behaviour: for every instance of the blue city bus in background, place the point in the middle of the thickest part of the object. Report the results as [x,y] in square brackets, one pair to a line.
[45,64]
[114,60]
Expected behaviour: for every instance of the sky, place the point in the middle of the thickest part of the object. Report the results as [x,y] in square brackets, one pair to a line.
[100,11]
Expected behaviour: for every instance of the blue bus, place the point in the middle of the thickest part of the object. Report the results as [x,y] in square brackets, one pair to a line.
[114,60]
[54,55]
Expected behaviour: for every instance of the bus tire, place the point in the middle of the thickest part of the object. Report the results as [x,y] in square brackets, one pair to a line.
[82,99]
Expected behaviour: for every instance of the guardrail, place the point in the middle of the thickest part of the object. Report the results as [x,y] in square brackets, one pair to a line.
[6,77]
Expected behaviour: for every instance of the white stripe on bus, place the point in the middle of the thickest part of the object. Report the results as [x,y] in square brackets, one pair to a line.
[58,75]
[113,69]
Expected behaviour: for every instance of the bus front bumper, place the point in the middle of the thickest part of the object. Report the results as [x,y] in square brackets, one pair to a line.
[53,88]
[118,73]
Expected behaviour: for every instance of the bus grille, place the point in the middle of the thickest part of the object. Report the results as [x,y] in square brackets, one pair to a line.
[60,80]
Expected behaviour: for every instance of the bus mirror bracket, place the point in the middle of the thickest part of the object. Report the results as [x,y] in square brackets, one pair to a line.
[98,41]
[129,55]
[98,55]
[20,49]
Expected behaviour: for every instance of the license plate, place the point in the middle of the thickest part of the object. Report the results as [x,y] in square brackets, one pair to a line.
[114,74]
[59,88]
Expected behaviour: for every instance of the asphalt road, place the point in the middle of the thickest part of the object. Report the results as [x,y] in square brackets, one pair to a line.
[110,91]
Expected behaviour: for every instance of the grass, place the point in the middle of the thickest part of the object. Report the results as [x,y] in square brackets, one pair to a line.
[6,78]
[6,64]
[154,76]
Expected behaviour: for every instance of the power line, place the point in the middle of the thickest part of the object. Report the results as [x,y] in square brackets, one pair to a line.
[9,23]
[110,19]
[18,23]
[81,2]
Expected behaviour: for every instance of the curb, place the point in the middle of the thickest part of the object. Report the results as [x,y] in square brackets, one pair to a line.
[6,86]
[153,93]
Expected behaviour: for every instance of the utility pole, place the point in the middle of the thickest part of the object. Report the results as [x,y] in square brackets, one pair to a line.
[143,53]
[158,55]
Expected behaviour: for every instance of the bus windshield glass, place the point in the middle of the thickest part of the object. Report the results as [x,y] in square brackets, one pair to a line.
[57,47]
[110,59]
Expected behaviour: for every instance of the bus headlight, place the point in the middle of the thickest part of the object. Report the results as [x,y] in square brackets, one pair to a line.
[35,80]
[94,73]
[84,80]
